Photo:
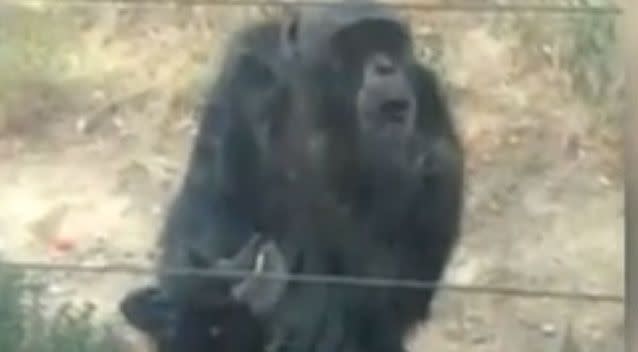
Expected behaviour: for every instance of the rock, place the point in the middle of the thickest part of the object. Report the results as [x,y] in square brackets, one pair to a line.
[548,329]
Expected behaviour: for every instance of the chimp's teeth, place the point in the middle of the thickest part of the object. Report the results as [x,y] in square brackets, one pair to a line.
[259,263]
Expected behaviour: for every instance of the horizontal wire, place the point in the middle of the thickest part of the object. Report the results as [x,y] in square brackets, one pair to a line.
[317,279]
[559,9]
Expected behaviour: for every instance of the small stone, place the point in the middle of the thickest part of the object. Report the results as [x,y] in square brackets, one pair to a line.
[548,329]
[479,339]
[57,290]
[604,180]
[118,123]
[80,126]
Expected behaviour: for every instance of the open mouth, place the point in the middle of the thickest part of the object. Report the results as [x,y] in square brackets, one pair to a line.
[395,110]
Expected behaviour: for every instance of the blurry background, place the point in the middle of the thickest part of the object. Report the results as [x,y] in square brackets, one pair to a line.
[96,103]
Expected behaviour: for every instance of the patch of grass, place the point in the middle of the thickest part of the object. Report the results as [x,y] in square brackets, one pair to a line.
[34,62]
[12,329]
[592,59]
[32,47]
[25,329]
[584,46]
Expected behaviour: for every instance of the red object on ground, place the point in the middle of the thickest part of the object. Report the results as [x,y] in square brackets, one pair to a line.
[62,244]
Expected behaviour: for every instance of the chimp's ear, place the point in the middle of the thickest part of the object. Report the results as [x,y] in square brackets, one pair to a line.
[150,311]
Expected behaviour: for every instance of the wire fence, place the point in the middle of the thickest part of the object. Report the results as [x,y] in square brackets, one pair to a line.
[413,6]
[342,280]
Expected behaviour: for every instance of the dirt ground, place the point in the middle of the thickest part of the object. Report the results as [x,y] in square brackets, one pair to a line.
[86,172]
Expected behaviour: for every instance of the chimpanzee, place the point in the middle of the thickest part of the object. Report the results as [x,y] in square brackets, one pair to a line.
[388,169]
[214,220]
[217,209]
[377,178]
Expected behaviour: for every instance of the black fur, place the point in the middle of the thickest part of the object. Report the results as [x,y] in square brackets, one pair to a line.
[217,209]
[216,219]
[182,327]
[386,184]
[350,163]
